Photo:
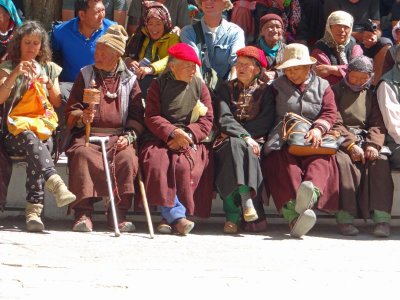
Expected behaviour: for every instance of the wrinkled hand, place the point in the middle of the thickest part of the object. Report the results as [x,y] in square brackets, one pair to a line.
[314,136]
[176,30]
[141,72]
[132,64]
[371,153]
[357,154]
[253,145]
[369,39]
[122,143]
[181,140]
[324,70]
[270,75]
[88,115]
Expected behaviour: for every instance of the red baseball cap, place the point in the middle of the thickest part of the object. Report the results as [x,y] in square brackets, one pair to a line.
[184,52]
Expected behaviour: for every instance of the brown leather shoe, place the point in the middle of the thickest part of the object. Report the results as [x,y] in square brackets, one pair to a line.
[183,226]
[230,227]
[123,224]
[83,224]
[163,227]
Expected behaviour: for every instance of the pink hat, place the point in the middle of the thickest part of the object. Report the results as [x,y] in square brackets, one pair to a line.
[254,52]
[184,52]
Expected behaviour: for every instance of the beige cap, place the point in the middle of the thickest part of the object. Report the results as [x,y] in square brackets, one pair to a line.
[296,55]
[115,37]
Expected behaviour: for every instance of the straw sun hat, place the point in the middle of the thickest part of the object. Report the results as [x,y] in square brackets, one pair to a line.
[296,55]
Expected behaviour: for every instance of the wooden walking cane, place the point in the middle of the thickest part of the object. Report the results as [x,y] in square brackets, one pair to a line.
[91,97]
[144,199]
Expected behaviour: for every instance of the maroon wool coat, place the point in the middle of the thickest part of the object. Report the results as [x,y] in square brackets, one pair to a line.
[87,177]
[168,173]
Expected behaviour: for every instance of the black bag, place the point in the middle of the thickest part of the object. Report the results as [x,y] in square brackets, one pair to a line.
[294,129]
[210,76]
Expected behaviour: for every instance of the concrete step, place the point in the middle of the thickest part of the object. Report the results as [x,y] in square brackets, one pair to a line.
[16,198]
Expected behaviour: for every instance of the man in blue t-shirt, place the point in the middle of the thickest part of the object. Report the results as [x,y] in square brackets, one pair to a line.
[74,41]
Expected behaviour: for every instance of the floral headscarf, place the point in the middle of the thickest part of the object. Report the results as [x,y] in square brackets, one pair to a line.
[153,9]
[342,18]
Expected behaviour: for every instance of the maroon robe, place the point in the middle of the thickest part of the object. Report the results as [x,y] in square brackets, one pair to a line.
[168,173]
[87,177]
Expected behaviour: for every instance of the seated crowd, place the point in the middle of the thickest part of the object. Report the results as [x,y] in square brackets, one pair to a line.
[199,97]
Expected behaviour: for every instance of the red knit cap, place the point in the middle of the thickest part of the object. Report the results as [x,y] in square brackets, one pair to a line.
[254,52]
[268,17]
[184,52]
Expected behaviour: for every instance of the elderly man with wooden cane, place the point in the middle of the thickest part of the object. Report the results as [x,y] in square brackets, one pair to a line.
[117,116]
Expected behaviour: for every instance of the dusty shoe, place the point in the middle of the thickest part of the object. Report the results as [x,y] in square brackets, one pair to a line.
[259,226]
[57,187]
[303,224]
[250,214]
[126,226]
[348,229]
[163,227]
[382,229]
[183,226]
[230,227]
[32,217]
[83,224]
[123,224]
[304,197]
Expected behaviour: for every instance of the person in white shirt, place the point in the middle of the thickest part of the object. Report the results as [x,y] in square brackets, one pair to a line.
[388,94]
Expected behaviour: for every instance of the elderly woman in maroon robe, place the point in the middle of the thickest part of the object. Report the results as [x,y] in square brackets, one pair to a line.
[176,167]
[366,185]
[245,114]
[119,116]
[298,183]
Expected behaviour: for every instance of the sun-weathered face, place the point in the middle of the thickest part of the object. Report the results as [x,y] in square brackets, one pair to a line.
[155,27]
[105,58]
[358,78]
[183,70]
[340,33]
[246,69]
[272,31]
[297,74]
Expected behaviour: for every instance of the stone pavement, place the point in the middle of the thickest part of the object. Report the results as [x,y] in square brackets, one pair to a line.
[60,264]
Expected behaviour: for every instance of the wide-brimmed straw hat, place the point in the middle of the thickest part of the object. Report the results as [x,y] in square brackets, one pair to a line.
[296,55]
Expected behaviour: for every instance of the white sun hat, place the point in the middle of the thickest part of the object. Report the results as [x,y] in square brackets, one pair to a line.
[296,55]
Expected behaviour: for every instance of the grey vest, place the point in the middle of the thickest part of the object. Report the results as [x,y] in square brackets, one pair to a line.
[290,99]
[125,86]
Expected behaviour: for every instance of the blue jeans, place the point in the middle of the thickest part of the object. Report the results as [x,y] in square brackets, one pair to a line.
[174,213]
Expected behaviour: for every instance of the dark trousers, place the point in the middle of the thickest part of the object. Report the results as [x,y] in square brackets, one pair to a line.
[40,165]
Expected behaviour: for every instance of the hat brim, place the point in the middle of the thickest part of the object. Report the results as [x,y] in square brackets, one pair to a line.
[297,62]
